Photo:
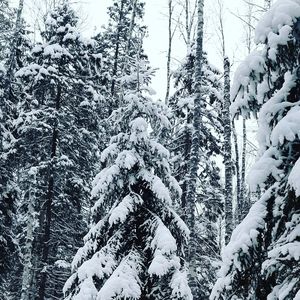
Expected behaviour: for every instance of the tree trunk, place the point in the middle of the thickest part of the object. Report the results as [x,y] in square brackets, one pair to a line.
[169,52]
[48,204]
[227,152]
[238,208]
[187,24]
[187,153]
[27,270]
[243,173]
[195,153]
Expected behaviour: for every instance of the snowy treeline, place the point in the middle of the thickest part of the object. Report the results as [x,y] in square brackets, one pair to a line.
[107,192]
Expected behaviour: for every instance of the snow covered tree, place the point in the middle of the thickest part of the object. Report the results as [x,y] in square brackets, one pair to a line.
[210,144]
[182,106]
[135,247]
[13,46]
[262,259]
[198,137]
[58,129]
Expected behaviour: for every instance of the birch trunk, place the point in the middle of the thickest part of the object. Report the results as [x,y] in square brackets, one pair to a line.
[169,52]
[228,193]
[243,172]
[195,152]
[227,153]
[238,207]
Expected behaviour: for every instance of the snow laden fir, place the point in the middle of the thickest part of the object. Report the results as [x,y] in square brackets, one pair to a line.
[134,249]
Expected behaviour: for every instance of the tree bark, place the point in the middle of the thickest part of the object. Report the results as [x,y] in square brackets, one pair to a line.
[195,152]
[243,172]
[238,207]
[49,202]
[27,270]
[169,52]
[227,153]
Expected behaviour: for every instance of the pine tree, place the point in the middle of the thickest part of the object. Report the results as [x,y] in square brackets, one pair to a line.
[134,249]
[58,128]
[262,259]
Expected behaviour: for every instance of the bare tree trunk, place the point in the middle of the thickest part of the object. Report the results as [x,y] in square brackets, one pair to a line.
[238,206]
[228,194]
[243,171]
[227,152]
[169,52]
[195,152]
[187,24]
[190,16]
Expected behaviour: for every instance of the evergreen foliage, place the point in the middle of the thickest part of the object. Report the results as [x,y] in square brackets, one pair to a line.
[262,258]
[136,235]
[58,129]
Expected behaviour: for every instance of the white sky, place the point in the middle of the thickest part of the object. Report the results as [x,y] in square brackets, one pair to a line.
[156,43]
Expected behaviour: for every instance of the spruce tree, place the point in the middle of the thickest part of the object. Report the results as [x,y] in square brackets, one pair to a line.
[262,259]
[134,249]
[209,197]
[58,129]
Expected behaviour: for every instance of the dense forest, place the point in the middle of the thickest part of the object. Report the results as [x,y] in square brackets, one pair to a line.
[107,192]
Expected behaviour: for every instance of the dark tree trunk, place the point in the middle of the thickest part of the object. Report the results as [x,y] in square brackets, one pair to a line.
[48,204]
